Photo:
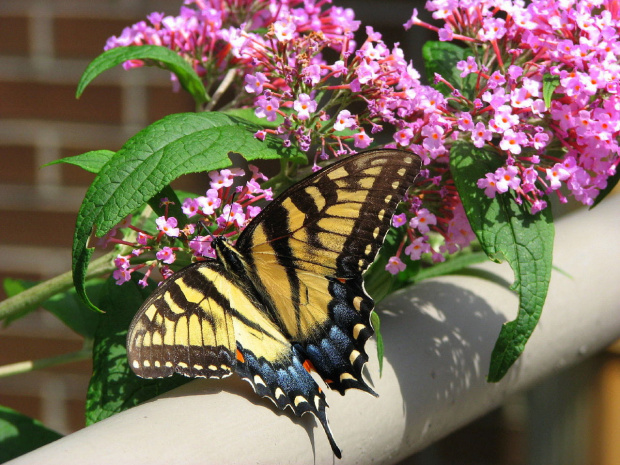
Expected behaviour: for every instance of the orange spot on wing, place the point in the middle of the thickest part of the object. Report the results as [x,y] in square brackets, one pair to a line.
[309,366]
[342,280]
[240,356]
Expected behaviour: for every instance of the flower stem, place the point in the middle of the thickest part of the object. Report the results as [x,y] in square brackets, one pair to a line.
[38,294]
[224,85]
[31,365]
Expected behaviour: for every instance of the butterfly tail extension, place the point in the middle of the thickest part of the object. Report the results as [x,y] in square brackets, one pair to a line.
[286,384]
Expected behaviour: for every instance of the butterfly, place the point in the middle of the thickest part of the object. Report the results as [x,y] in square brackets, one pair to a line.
[288,298]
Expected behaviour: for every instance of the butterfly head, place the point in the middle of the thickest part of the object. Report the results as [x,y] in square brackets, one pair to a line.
[228,256]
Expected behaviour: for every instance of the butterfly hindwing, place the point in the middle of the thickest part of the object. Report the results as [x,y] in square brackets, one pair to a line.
[198,323]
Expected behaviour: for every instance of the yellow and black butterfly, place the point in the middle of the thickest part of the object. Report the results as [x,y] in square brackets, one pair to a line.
[289,297]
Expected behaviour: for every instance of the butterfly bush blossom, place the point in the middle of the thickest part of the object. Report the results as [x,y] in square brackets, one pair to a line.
[285,75]
[540,93]
[569,50]
[224,210]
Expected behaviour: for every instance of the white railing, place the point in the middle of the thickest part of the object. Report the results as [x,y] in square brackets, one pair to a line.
[438,335]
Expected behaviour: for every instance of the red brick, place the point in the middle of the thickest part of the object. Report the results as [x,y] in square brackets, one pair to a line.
[98,104]
[17,348]
[163,102]
[85,37]
[41,228]
[17,164]
[26,405]
[14,35]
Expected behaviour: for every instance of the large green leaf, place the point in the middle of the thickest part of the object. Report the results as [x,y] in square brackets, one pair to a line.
[20,434]
[113,386]
[508,231]
[91,161]
[441,58]
[161,56]
[175,145]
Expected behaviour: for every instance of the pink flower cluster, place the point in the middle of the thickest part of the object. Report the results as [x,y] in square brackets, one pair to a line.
[287,80]
[574,46]
[223,210]
[389,91]
[209,34]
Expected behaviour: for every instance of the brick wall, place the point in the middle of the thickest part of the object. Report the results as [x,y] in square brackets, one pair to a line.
[44,48]
[45,45]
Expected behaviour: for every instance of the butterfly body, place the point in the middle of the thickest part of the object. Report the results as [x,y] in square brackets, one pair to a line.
[289,297]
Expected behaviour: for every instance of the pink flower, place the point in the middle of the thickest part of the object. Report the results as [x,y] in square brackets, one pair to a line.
[556,175]
[344,120]
[467,66]
[121,262]
[423,220]
[504,119]
[201,245]
[312,75]
[395,265]
[403,137]
[122,276]
[489,184]
[304,106]
[465,122]
[190,207]
[413,20]
[254,83]
[284,30]
[361,140]
[220,179]
[480,135]
[507,178]
[399,220]
[166,255]
[417,247]
[512,141]
[267,107]
[210,202]
[168,226]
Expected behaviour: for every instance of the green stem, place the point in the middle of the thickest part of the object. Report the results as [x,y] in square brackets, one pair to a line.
[38,294]
[31,365]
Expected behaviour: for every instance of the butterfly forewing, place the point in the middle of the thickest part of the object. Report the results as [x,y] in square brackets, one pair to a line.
[185,327]
[307,251]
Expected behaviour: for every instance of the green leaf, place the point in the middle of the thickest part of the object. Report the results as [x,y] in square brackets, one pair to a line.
[113,386]
[452,265]
[248,114]
[550,83]
[161,56]
[73,312]
[175,145]
[20,434]
[506,230]
[612,181]
[376,325]
[441,58]
[90,161]
[379,282]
